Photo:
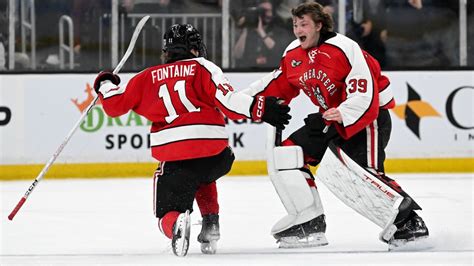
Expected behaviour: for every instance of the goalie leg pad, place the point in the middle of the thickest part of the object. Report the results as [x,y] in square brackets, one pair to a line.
[297,198]
[312,185]
[290,184]
[360,189]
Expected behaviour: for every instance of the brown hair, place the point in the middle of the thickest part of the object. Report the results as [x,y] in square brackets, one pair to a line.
[315,11]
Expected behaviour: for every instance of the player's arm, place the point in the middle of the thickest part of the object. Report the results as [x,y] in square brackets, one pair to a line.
[274,84]
[117,100]
[360,105]
[238,105]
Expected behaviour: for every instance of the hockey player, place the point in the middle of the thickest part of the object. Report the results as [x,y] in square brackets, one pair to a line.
[184,99]
[353,98]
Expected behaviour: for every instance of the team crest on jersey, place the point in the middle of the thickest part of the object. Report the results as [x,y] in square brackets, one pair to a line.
[295,63]
[319,97]
[312,55]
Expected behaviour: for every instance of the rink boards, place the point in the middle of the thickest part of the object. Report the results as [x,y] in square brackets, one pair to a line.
[433,127]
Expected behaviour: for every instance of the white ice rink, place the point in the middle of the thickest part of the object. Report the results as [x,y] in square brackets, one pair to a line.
[110,221]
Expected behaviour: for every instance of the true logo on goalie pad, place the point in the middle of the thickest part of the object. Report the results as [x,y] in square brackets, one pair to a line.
[358,188]
[380,187]
[367,178]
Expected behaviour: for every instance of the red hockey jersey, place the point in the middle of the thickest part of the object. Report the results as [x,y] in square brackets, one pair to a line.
[336,73]
[183,100]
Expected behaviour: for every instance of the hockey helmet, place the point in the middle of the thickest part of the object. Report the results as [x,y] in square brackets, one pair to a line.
[180,39]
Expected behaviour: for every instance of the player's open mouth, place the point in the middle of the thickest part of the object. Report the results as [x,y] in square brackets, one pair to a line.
[302,38]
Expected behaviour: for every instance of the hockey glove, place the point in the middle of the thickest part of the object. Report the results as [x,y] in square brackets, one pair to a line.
[271,110]
[103,76]
[315,125]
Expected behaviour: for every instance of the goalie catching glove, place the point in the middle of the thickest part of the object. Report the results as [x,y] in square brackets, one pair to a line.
[271,110]
[104,76]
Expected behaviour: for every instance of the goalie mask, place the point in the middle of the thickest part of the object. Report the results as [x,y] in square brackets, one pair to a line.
[179,40]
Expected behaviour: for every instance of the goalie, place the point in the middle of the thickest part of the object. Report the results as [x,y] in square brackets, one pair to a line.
[353,98]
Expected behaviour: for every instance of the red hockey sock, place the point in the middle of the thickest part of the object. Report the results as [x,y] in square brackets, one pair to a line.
[166,223]
[206,198]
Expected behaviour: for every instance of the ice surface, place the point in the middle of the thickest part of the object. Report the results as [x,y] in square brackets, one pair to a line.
[110,221]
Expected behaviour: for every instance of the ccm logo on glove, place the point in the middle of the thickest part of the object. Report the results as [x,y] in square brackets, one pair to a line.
[260,108]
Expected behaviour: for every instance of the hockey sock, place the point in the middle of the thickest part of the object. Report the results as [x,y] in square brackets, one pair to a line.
[167,222]
[206,198]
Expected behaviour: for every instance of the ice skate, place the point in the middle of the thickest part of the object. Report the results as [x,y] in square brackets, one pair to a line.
[411,235]
[309,234]
[181,232]
[209,233]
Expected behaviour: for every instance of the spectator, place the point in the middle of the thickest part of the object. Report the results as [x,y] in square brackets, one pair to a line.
[86,15]
[441,24]
[367,26]
[21,60]
[262,40]
[426,36]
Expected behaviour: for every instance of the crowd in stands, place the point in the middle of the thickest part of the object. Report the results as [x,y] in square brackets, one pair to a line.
[399,33]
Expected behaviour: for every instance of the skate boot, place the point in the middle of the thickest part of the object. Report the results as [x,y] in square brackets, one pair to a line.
[308,234]
[413,230]
[181,232]
[209,233]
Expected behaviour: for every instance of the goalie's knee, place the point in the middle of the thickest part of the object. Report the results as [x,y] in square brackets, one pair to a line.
[307,159]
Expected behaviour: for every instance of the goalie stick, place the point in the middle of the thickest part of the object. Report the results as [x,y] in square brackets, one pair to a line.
[45,169]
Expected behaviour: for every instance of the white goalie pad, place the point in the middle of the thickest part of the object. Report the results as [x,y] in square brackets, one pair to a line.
[288,157]
[360,189]
[297,198]
[301,203]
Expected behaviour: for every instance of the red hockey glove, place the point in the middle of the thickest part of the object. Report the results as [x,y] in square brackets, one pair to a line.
[271,110]
[105,75]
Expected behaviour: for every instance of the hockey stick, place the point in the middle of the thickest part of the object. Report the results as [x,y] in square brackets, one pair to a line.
[40,176]
[278,139]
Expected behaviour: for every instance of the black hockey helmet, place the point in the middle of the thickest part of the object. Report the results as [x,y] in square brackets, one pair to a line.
[179,40]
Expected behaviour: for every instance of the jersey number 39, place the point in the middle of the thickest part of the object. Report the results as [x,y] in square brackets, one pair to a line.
[355,85]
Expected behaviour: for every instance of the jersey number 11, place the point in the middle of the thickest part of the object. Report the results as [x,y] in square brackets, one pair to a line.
[164,94]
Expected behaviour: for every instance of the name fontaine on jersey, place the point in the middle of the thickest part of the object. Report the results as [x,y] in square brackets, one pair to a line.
[172,71]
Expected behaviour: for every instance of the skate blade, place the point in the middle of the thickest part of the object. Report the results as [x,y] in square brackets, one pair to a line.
[418,244]
[313,240]
[180,241]
[209,247]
